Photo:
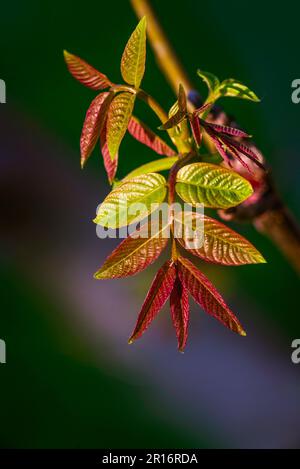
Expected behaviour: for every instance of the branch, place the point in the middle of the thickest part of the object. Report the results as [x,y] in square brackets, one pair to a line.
[267,212]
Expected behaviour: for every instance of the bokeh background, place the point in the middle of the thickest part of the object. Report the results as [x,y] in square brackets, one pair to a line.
[71,380]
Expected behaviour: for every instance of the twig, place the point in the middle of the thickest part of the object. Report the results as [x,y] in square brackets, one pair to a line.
[268,213]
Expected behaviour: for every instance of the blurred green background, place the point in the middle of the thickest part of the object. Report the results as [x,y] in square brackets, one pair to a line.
[71,380]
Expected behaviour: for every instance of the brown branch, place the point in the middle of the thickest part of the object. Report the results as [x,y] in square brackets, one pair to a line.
[267,212]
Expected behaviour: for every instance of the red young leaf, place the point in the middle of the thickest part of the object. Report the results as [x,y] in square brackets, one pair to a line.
[145,135]
[196,128]
[135,253]
[224,129]
[203,108]
[180,312]
[156,297]
[94,120]
[85,73]
[206,295]
[109,164]
[245,150]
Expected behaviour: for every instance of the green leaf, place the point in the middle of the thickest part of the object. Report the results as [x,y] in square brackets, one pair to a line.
[134,56]
[136,252]
[214,242]
[117,120]
[132,200]
[177,112]
[211,185]
[210,80]
[152,167]
[235,89]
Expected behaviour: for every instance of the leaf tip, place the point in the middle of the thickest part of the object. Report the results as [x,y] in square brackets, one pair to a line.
[242,332]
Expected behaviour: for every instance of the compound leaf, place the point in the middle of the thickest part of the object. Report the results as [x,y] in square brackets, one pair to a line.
[134,56]
[211,185]
[117,122]
[132,200]
[85,73]
[156,297]
[206,295]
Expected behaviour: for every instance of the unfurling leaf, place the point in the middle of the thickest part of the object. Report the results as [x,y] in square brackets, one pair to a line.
[109,164]
[177,112]
[211,185]
[180,312]
[156,297]
[206,295]
[134,56]
[217,243]
[145,135]
[132,200]
[196,128]
[136,252]
[153,167]
[117,122]
[235,89]
[85,73]
[93,123]
[210,80]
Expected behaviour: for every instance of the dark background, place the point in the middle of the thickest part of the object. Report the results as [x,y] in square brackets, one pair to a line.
[71,380]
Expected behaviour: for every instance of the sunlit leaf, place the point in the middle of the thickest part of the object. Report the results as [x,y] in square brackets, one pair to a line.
[210,80]
[180,312]
[235,89]
[206,295]
[118,118]
[85,73]
[132,200]
[93,123]
[136,252]
[217,243]
[134,55]
[211,185]
[157,296]
[153,167]
[145,135]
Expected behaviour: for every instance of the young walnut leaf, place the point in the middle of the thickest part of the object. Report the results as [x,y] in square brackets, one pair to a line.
[109,164]
[196,128]
[217,243]
[93,123]
[135,253]
[235,89]
[177,112]
[132,200]
[156,297]
[211,185]
[134,56]
[153,167]
[210,80]
[117,122]
[85,73]
[180,312]
[206,295]
[145,135]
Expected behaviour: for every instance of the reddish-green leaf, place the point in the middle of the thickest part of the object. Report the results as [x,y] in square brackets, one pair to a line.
[85,73]
[217,243]
[118,119]
[109,164]
[134,55]
[206,295]
[143,134]
[180,312]
[135,253]
[93,123]
[156,297]
[177,112]
[196,128]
